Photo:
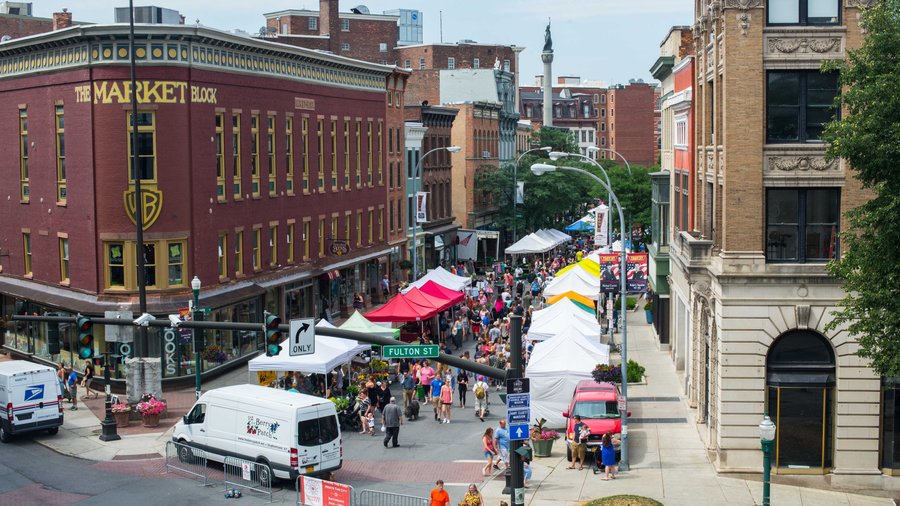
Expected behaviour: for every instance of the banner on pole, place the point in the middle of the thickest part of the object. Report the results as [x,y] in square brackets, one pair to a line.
[520,192]
[609,272]
[467,249]
[637,264]
[600,216]
[421,207]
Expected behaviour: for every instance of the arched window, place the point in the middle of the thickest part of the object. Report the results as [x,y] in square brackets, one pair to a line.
[800,379]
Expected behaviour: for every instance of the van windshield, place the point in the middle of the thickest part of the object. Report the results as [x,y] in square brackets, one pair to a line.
[317,431]
[596,409]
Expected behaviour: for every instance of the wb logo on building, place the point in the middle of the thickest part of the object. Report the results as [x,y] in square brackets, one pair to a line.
[151,206]
[34,393]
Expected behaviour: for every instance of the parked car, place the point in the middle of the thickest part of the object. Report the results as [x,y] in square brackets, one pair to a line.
[30,399]
[598,406]
[292,433]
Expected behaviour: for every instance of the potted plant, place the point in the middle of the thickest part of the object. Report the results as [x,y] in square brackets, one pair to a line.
[150,409]
[542,439]
[121,412]
[648,311]
[215,353]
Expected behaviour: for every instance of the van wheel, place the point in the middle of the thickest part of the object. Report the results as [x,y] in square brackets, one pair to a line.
[263,472]
[185,454]
[5,436]
[53,431]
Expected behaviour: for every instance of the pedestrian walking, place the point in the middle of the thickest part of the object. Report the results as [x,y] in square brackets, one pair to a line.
[462,385]
[73,387]
[391,420]
[426,374]
[385,286]
[439,496]
[489,450]
[501,443]
[608,456]
[436,385]
[61,377]
[409,389]
[480,389]
[579,437]
[446,401]
[88,379]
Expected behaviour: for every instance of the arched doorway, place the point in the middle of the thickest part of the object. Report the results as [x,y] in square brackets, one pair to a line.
[800,378]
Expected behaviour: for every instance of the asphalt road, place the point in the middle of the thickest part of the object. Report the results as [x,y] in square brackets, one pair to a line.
[31,474]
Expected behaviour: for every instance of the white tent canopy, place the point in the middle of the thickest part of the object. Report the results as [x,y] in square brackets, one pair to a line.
[331,352]
[549,237]
[555,367]
[564,306]
[562,236]
[531,243]
[576,280]
[442,277]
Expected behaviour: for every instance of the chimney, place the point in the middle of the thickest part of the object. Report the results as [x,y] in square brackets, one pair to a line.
[62,19]
[330,24]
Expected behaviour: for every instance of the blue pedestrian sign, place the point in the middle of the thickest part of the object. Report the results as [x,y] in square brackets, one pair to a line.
[518,432]
[518,416]
[514,401]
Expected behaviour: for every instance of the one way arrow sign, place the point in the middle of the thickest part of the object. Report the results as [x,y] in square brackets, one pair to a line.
[303,337]
[518,432]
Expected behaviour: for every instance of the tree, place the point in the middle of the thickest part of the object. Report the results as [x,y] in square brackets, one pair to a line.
[868,138]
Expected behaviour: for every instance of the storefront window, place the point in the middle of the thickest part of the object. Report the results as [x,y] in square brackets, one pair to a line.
[298,301]
[890,422]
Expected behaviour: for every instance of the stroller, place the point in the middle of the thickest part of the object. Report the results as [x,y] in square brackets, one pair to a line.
[349,418]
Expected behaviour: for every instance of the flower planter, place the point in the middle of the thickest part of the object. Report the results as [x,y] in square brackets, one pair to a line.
[542,447]
[122,419]
[150,420]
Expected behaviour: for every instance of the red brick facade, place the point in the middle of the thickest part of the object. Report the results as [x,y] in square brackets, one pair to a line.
[632,123]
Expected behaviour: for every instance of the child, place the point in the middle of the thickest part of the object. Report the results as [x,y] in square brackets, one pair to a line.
[370,421]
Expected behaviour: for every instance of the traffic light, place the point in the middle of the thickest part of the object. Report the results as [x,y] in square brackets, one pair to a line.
[273,335]
[85,337]
[53,338]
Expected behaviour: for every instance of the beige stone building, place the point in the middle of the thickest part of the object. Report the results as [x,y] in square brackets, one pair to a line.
[750,293]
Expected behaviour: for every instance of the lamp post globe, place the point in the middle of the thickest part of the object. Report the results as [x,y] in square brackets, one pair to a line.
[197,334]
[766,438]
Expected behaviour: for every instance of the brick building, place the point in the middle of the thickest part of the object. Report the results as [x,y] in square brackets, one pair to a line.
[438,234]
[262,169]
[395,180]
[751,296]
[632,122]
[356,34]
[476,131]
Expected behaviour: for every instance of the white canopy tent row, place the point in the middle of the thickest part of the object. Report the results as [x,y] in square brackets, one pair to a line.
[576,280]
[555,367]
[569,319]
[541,241]
[564,306]
[442,277]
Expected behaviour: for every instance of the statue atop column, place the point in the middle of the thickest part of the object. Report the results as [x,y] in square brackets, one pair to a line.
[548,41]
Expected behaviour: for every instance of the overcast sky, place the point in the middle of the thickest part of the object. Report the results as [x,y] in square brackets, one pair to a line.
[606,40]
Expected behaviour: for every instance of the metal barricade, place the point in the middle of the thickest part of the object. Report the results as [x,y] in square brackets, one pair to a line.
[377,498]
[248,474]
[187,460]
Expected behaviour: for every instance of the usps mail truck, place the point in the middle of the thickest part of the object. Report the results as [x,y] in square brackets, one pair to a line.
[292,433]
[30,399]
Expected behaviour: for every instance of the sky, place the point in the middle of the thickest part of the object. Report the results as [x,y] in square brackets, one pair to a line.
[603,40]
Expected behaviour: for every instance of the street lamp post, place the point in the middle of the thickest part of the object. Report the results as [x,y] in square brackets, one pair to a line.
[197,334]
[541,168]
[452,149]
[556,155]
[108,425]
[613,151]
[516,187]
[767,439]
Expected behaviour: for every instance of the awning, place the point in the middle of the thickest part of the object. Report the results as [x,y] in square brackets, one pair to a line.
[401,309]
[487,234]
[441,230]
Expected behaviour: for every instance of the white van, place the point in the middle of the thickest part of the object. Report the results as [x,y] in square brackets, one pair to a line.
[30,399]
[293,433]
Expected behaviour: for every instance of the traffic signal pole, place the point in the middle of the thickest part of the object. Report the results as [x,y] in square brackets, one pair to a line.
[517,478]
[468,365]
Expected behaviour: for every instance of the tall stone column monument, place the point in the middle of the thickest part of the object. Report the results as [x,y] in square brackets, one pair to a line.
[547,57]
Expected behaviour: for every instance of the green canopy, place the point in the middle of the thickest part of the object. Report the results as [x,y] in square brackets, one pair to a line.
[358,323]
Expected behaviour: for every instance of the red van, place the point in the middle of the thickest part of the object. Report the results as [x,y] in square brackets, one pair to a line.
[598,406]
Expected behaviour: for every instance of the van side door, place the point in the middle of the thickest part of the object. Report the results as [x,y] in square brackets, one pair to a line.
[195,425]
[309,455]
[330,436]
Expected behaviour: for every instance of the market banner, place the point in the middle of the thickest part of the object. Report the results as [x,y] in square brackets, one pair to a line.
[601,214]
[609,272]
[467,249]
[520,192]
[637,265]
[421,207]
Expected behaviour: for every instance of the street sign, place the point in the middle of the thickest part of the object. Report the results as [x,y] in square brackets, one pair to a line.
[411,351]
[516,401]
[518,416]
[303,337]
[518,386]
[518,432]
[622,404]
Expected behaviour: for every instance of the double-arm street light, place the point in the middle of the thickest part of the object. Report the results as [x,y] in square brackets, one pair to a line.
[613,151]
[452,149]
[556,155]
[541,168]
[516,187]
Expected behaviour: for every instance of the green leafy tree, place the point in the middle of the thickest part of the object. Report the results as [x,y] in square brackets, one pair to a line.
[868,138]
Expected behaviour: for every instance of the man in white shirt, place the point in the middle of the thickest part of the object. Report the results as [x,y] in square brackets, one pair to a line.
[480,388]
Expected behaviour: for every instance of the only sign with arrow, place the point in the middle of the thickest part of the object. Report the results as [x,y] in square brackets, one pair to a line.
[303,337]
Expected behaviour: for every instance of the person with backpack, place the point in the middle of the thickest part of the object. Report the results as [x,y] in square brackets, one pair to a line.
[481,390]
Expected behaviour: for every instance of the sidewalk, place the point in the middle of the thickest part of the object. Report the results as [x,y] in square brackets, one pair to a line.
[669,462]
